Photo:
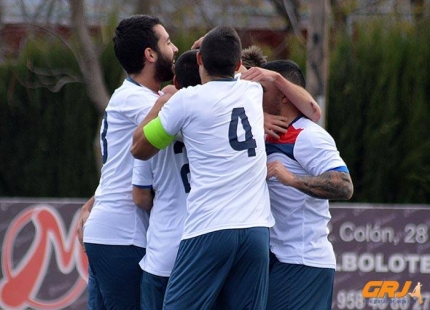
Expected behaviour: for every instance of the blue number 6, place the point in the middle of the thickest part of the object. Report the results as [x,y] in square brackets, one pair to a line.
[178,148]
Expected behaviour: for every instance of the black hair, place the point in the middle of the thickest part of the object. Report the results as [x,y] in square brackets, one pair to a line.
[187,69]
[132,36]
[288,69]
[221,51]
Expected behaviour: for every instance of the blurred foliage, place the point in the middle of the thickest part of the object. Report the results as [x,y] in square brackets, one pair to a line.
[48,123]
[341,9]
[379,108]
[47,133]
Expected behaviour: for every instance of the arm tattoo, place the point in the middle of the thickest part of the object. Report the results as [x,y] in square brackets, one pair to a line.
[329,185]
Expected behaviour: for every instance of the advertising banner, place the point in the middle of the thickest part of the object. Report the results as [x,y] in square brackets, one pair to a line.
[382,252]
[42,263]
[383,256]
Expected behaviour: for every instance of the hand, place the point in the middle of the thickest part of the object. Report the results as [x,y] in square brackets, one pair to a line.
[197,43]
[163,99]
[169,89]
[85,213]
[275,124]
[80,229]
[278,170]
[257,74]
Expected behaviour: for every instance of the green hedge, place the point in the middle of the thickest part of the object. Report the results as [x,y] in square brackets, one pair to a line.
[379,110]
[47,137]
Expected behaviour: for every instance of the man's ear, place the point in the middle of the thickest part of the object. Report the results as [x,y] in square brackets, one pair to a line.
[199,59]
[284,99]
[239,64]
[175,82]
[150,54]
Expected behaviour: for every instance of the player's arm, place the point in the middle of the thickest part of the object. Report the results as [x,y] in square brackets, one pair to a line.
[299,97]
[143,197]
[150,136]
[142,179]
[295,93]
[332,184]
[85,213]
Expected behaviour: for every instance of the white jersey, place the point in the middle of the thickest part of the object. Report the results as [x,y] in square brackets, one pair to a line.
[300,233]
[168,173]
[222,128]
[114,218]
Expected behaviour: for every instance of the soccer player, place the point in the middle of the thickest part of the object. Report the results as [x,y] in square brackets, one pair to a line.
[305,170]
[274,125]
[167,174]
[253,58]
[114,233]
[224,250]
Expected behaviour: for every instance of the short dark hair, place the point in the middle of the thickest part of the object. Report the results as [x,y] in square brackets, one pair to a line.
[288,69]
[253,56]
[132,36]
[187,69]
[221,51]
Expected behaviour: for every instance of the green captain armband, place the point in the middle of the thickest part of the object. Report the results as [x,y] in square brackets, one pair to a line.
[156,135]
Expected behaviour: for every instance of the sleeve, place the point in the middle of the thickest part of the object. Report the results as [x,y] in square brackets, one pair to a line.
[138,104]
[173,114]
[142,173]
[316,152]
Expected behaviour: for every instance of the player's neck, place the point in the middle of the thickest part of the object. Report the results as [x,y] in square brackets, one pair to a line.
[146,80]
[208,78]
[290,112]
[221,78]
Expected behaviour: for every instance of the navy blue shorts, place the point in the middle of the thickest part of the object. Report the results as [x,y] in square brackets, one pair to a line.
[227,268]
[299,287]
[152,290]
[114,276]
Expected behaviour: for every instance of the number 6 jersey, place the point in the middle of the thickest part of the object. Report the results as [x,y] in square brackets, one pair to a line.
[168,175]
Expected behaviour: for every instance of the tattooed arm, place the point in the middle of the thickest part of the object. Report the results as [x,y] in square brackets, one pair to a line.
[329,185]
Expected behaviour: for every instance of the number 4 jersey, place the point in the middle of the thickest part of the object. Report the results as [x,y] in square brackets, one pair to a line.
[222,126]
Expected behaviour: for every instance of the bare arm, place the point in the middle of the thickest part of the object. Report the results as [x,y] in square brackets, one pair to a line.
[143,198]
[85,213]
[329,185]
[295,93]
[141,148]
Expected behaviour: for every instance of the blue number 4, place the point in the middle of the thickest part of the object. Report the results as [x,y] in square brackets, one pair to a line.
[249,143]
